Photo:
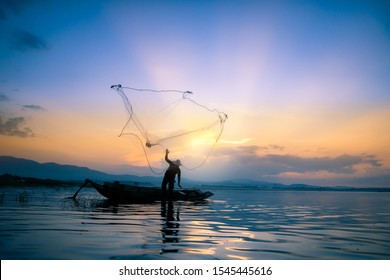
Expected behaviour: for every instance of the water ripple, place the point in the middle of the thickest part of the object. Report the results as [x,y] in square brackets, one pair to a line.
[236,225]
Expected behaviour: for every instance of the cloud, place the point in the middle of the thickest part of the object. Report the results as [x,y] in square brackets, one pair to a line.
[271,147]
[247,161]
[23,41]
[4,98]
[20,40]
[15,127]
[343,164]
[34,107]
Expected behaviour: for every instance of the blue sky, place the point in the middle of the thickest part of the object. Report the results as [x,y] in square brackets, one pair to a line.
[305,83]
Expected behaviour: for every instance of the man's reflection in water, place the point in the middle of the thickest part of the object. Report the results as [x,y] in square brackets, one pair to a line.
[170,226]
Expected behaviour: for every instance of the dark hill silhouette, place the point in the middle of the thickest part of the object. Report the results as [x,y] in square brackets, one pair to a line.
[54,171]
[29,168]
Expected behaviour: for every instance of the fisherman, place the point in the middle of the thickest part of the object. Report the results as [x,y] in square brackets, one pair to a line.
[169,176]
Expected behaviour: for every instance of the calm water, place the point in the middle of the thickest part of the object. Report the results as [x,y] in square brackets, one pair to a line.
[38,223]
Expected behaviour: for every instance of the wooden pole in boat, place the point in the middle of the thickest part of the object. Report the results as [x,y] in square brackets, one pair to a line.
[87,181]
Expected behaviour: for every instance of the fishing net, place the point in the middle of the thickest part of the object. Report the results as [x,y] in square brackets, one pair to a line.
[173,120]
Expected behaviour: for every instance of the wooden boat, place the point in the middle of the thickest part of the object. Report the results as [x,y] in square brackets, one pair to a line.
[134,193]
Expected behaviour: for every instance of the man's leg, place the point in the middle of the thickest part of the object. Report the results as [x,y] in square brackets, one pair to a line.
[164,185]
[171,186]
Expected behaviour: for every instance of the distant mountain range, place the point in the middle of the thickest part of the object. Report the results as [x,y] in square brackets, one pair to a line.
[29,168]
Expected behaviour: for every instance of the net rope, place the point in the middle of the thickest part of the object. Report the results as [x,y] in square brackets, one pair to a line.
[144,138]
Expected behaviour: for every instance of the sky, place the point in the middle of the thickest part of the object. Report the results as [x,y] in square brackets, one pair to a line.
[305,84]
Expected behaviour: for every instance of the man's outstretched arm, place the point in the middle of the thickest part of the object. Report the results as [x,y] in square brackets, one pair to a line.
[166,157]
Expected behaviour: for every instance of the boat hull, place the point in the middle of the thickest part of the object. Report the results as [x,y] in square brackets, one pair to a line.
[134,193]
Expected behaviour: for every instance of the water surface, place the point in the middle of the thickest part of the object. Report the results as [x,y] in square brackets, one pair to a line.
[39,223]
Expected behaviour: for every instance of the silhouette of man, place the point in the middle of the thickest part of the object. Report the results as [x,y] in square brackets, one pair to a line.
[170,174]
